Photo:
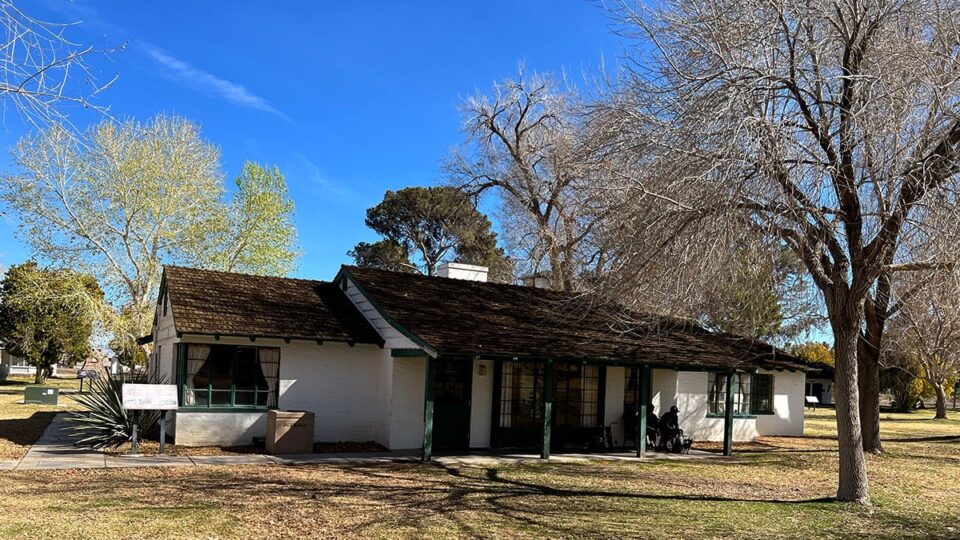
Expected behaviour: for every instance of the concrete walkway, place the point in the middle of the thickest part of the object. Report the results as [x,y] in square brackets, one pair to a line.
[55,450]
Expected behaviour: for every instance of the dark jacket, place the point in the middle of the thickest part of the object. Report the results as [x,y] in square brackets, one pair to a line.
[670,421]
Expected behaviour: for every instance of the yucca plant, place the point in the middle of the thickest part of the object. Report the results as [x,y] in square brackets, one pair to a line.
[103,422]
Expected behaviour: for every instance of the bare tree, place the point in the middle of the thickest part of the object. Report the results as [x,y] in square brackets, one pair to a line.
[41,69]
[525,143]
[927,329]
[821,125]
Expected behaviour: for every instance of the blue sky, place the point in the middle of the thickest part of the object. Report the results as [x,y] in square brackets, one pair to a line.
[348,99]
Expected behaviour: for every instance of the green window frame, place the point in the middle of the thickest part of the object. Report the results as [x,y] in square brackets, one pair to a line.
[717,394]
[521,395]
[576,395]
[762,399]
[227,377]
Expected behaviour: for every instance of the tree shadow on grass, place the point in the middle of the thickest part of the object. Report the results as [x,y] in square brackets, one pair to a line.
[936,439]
[367,499]
[25,431]
[493,475]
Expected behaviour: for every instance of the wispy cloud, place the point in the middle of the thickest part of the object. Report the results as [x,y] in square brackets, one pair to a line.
[317,181]
[205,81]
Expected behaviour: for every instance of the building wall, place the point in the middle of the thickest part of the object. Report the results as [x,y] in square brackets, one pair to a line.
[692,402]
[197,428]
[787,419]
[404,379]
[788,403]
[342,386]
[663,390]
[481,404]
[161,364]
[18,366]
[406,403]
[613,403]
[162,367]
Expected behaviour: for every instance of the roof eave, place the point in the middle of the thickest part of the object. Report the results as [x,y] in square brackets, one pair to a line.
[344,273]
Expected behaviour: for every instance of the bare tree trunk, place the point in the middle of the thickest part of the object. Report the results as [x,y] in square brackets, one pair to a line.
[941,401]
[868,364]
[845,317]
[41,376]
[875,313]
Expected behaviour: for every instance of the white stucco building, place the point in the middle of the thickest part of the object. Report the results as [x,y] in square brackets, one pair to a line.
[449,363]
[14,365]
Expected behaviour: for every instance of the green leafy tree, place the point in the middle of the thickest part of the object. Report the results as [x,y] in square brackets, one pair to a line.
[433,224]
[128,197]
[48,316]
[383,254]
[257,233]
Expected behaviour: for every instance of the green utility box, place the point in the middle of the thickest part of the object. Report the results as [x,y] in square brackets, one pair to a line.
[41,394]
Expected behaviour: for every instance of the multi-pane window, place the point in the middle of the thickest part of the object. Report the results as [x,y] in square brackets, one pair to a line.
[762,394]
[521,394]
[575,395]
[717,393]
[229,376]
[631,390]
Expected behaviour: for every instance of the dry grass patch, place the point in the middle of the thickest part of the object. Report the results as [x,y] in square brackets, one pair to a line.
[779,487]
[22,424]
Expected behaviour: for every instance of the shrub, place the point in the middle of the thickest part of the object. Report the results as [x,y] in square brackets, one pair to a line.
[103,422]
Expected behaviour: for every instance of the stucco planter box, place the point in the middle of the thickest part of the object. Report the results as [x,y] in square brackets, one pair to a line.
[289,432]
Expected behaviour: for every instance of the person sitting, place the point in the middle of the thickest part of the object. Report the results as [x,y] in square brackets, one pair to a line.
[669,426]
[652,422]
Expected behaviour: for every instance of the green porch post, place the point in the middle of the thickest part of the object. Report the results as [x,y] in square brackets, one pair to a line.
[428,409]
[728,418]
[643,380]
[547,409]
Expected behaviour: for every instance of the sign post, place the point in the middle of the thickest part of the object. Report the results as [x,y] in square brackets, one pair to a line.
[150,397]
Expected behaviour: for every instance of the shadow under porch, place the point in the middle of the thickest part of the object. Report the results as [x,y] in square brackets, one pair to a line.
[513,406]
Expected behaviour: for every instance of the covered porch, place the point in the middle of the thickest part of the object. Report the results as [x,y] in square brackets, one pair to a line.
[488,406]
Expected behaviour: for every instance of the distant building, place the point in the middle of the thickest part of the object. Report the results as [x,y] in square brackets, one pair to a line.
[17,365]
[820,383]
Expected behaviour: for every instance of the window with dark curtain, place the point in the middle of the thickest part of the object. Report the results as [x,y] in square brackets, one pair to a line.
[231,376]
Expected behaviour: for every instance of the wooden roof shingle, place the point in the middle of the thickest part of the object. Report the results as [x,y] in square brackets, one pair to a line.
[208,302]
[460,317]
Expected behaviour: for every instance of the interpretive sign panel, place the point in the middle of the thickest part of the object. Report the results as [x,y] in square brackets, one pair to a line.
[150,397]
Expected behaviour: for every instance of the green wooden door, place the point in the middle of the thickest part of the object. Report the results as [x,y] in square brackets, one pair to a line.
[451,406]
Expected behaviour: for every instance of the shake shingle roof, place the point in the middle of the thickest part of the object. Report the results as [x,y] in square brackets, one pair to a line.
[455,317]
[228,304]
[472,318]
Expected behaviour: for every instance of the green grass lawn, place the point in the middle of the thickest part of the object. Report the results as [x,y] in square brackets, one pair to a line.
[21,424]
[776,487]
